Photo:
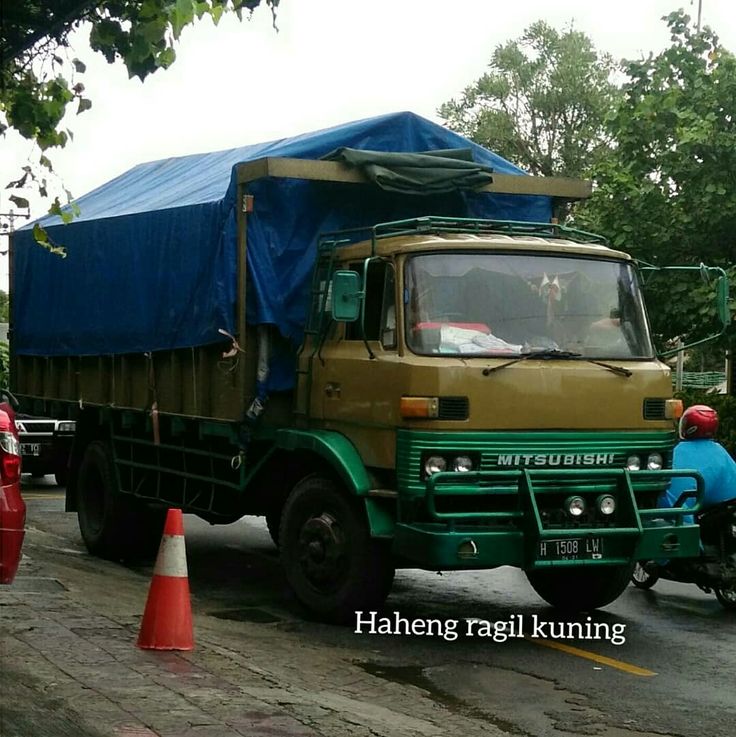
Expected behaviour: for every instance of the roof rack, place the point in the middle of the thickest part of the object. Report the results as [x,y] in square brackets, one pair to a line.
[438,224]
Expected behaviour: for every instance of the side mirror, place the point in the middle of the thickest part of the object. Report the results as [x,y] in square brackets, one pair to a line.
[709,275]
[346,296]
[9,398]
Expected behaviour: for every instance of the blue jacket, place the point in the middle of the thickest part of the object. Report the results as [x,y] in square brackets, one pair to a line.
[716,466]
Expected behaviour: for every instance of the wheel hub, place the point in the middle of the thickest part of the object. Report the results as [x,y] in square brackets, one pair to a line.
[322,549]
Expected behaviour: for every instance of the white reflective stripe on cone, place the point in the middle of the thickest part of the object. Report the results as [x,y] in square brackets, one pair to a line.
[172,557]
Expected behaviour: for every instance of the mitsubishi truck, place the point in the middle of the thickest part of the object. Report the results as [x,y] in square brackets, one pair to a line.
[390,351]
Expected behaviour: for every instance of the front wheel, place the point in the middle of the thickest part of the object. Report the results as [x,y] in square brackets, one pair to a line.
[642,578]
[727,597]
[333,565]
[273,523]
[580,589]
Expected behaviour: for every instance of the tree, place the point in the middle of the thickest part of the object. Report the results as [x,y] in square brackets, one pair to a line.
[543,103]
[667,190]
[4,306]
[39,82]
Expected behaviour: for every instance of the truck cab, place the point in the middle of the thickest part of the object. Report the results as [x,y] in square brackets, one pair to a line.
[501,387]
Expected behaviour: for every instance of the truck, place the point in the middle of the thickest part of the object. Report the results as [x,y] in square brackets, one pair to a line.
[390,350]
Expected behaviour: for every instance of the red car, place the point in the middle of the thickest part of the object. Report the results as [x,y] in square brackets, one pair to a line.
[12,506]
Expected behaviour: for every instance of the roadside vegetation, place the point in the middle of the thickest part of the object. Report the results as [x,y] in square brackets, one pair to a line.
[656,135]
[41,83]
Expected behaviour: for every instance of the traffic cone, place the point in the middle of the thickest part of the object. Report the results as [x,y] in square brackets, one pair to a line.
[167,619]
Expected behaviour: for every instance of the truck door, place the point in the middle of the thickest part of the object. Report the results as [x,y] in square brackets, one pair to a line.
[352,385]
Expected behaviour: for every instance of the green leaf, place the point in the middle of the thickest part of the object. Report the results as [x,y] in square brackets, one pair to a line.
[66,214]
[20,202]
[84,104]
[181,15]
[79,66]
[40,235]
[216,13]
[166,58]
[43,239]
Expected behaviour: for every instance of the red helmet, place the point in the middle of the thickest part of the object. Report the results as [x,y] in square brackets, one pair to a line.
[698,421]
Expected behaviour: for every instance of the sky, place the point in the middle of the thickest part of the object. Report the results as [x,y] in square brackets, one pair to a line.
[330,61]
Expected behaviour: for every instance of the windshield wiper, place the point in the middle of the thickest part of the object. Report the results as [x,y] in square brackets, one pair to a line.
[549,353]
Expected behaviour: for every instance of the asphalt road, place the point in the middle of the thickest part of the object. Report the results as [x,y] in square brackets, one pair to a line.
[673,673]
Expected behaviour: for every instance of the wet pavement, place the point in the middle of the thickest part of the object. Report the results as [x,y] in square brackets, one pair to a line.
[70,666]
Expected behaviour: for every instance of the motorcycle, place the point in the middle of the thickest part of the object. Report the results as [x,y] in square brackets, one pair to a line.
[714,570]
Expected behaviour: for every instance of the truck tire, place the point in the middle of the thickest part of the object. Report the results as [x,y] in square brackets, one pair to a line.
[98,503]
[642,577]
[333,565]
[726,597]
[112,525]
[581,589]
[61,476]
[273,523]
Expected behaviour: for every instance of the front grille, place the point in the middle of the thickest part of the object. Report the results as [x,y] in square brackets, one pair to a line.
[31,427]
[654,409]
[498,451]
[453,408]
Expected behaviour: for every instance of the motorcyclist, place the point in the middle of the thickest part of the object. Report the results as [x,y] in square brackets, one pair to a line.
[699,451]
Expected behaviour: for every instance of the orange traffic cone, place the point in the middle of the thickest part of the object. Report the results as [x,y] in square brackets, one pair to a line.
[167,619]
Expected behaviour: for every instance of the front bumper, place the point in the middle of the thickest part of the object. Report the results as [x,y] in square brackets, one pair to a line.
[470,539]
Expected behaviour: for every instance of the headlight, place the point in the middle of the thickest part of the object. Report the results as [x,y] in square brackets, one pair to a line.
[462,464]
[633,463]
[606,504]
[66,426]
[434,464]
[575,506]
[654,462]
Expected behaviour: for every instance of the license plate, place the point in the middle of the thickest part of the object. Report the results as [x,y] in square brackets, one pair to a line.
[30,449]
[571,548]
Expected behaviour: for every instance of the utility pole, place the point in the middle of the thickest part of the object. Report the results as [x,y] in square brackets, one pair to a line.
[700,13]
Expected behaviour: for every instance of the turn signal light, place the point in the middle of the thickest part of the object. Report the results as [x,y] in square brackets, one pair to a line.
[673,409]
[420,407]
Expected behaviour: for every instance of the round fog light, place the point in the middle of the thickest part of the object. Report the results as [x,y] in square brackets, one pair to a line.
[633,463]
[462,464]
[435,464]
[575,506]
[606,504]
[467,549]
[654,462]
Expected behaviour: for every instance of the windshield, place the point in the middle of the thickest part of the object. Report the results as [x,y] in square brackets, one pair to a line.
[510,304]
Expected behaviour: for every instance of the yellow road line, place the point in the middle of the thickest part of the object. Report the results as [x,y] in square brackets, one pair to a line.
[634,670]
[42,496]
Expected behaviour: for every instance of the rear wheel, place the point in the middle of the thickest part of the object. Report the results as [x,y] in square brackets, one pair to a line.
[642,578]
[581,589]
[332,563]
[113,526]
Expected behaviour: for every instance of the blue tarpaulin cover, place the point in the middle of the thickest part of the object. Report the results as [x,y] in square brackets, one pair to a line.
[152,258]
